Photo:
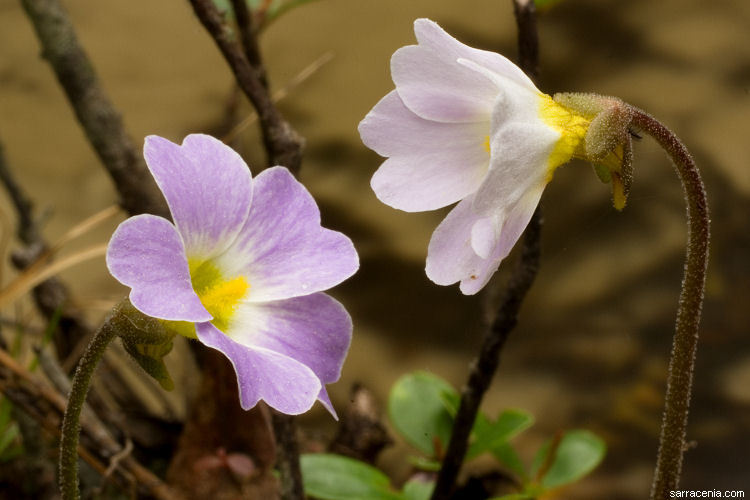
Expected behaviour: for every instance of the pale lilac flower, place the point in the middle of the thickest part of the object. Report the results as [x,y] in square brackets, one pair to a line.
[466,125]
[243,266]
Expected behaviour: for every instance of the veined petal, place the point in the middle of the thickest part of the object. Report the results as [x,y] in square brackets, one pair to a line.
[325,400]
[282,382]
[392,129]
[435,86]
[208,188]
[521,151]
[432,164]
[147,254]
[430,34]
[484,234]
[282,251]
[503,237]
[450,257]
[314,329]
[453,253]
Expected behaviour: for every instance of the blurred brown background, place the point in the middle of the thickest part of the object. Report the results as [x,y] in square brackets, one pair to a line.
[591,348]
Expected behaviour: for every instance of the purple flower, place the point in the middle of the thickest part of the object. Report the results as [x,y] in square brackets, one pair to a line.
[466,125]
[242,270]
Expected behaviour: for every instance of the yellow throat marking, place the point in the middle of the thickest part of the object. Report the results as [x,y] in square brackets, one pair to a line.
[219,295]
[572,128]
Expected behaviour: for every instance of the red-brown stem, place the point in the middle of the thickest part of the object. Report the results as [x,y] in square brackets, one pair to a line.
[681,364]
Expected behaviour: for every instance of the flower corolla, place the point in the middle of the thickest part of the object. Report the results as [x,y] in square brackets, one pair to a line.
[468,126]
[242,269]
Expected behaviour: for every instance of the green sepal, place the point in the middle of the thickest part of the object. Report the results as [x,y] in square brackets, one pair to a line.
[146,339]
[610,119]
[602,172]
[607,144]
[150,357]
[607,131]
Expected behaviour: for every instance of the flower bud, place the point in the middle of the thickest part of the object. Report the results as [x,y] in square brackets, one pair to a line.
[146,339]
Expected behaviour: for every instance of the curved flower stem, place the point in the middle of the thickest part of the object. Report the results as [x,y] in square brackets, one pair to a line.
[681,364]
[287,456]
[71,420]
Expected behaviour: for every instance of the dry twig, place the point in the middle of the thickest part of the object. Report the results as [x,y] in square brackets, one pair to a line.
[282,143]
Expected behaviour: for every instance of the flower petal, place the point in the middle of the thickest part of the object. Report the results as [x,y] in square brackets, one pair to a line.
[506,234]
[325,400]
[282,250]
[282,382]
[432,164]
[315,330]
[435,86]
[484,235]
[430,34]
[521,149]
[208,188]
[147,254]
[450,257]
[453,253]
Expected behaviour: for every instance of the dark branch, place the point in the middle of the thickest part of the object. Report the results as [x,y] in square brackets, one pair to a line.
[26,230]
[96,114]
[287,456]
[283,145]
[361,433]
[249,34]
[528,37]
[485,365]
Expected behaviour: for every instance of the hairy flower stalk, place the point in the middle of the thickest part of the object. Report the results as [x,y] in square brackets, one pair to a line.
[681,364]
[71,426]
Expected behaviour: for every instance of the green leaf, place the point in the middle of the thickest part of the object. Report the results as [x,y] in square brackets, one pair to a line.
[489,435]
[6,407]
[276,8]
[515,496]
[10,443]
[417,409]
[577,453]
[49,331]
[8,437]
[226,5]
[418,490]
[506,455]
[426,464]
[334,477]
[280,7]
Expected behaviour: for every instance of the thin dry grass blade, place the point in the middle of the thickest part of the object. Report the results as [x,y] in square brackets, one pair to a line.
[280,94]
